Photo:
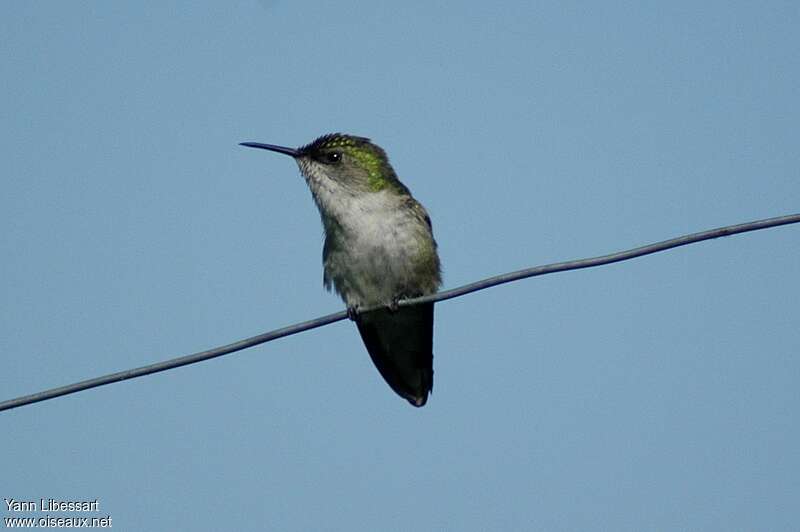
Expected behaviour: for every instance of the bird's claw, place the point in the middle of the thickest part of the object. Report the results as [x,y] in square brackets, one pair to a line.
[352,312]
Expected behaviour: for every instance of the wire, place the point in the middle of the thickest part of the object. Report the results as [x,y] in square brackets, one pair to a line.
[440,296]
[604,259]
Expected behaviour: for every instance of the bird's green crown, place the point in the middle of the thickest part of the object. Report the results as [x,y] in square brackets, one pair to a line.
[360,151]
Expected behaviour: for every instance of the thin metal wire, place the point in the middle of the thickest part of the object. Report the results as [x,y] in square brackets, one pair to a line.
[440,296]
[605,259]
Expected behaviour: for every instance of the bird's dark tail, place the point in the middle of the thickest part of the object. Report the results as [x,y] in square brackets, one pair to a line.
[401,346]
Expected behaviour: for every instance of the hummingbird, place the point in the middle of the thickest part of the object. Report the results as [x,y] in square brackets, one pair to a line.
[379,249]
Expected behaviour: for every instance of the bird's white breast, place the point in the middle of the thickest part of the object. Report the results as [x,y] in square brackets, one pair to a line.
[376,243]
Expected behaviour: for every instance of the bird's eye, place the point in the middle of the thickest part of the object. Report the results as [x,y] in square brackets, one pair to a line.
[333,157]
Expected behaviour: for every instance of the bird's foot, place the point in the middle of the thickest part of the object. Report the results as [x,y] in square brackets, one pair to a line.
[352,312]
[394,305]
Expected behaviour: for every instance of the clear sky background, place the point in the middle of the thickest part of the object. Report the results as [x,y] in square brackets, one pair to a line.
[661,393]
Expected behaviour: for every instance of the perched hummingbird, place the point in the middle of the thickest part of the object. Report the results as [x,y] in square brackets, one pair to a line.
[379,248]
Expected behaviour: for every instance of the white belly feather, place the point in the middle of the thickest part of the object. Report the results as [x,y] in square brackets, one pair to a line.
[374,251]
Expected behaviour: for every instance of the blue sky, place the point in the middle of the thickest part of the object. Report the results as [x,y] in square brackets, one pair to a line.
[656,394]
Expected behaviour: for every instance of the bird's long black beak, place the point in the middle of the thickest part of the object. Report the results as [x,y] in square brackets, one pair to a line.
[271,147]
